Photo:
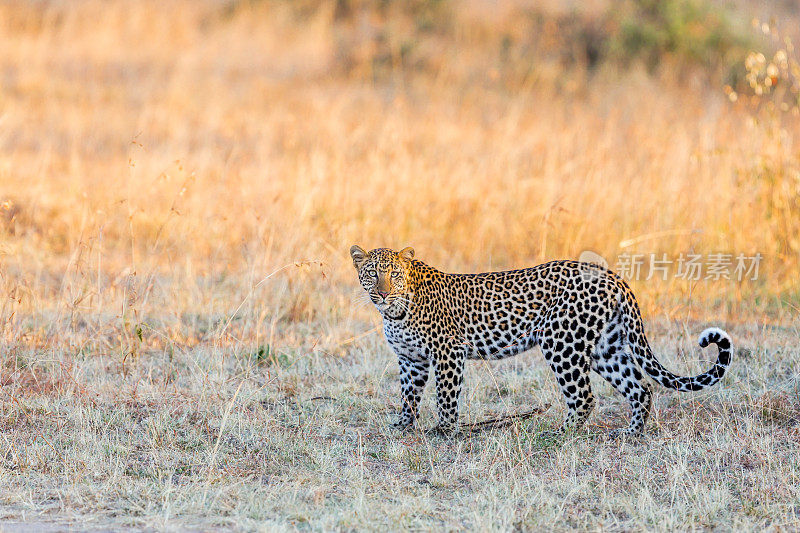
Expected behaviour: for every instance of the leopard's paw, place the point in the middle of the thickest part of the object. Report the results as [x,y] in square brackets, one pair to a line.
[624,433]
[402,426]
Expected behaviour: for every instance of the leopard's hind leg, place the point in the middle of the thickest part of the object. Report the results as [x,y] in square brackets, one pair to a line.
[614,362]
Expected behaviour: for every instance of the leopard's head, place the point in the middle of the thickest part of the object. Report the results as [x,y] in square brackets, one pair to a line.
[385,275]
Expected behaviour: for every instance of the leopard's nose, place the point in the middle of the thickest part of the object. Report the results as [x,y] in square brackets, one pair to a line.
[383,294]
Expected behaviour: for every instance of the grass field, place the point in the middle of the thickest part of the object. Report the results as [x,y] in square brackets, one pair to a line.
[182,344]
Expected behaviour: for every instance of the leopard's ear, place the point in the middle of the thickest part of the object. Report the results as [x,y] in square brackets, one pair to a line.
[407,253]
[358,254]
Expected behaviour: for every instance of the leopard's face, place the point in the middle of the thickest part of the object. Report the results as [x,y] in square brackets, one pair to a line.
[384,274]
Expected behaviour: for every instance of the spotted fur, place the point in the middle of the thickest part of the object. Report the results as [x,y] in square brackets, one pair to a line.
[582,316]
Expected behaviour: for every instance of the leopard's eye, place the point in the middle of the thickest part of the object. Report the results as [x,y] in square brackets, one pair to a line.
[395,274]
[372,273]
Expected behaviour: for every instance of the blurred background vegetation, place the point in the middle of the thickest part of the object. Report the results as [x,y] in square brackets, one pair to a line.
[419,35]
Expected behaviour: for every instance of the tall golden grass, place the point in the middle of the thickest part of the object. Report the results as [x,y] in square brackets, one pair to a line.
[188,139]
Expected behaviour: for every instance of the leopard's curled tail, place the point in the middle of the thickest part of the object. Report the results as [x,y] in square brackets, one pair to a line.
[648,362]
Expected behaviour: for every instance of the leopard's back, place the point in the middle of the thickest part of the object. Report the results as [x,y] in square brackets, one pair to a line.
[498,314]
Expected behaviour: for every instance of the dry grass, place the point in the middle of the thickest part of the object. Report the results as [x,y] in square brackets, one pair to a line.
[180,342]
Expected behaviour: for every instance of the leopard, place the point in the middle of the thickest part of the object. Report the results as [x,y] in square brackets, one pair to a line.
[583,317]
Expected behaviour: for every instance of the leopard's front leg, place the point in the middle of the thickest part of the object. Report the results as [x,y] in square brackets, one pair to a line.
[413,376]
[449,374]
